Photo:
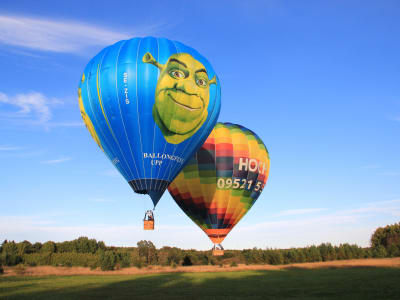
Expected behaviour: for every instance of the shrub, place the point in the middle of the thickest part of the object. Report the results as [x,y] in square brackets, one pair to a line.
[37,259]
[1,269]
[187,261]
[234,264]
[273,257]
[20,269]
[137,263]
[108,260]
[379,252]
[173,265]
[393,250]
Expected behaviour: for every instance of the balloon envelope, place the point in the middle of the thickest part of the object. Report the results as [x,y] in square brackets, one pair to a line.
[222,181]
[149,103]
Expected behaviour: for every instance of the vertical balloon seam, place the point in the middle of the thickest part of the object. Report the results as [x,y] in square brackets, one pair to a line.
[188,187]
[240,195]
[213,217]
[231,189]
[239,208]
[231,128]
[138,115]
[213,225]
[199,220]
[243,211]
[99,94]
[120,110]
[154,126]
[99,128]
[138,183]
[214,203]
[233,172]
[211,200]
[199,178]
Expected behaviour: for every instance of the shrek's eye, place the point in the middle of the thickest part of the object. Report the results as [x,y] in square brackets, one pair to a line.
[177,74]
[201,82]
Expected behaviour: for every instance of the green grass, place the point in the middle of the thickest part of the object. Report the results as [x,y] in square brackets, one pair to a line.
[347,283]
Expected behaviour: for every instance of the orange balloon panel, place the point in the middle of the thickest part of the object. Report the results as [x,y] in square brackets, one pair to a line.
[222,180]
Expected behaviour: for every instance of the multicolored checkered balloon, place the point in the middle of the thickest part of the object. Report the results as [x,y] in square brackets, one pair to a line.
[222,181]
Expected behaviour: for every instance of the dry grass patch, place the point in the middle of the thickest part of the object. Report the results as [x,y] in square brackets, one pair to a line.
[62,271]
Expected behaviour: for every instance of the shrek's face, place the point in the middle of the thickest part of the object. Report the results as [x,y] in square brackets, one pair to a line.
[182,93]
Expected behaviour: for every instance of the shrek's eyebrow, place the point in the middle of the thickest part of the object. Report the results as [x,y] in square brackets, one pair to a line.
[201,70]
[178,61]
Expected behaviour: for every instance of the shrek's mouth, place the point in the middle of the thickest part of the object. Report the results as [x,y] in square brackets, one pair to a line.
[183,105]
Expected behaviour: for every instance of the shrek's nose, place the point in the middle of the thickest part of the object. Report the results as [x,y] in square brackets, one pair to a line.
[188,85]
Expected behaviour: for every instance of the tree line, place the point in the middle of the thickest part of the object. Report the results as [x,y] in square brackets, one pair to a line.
[385,242]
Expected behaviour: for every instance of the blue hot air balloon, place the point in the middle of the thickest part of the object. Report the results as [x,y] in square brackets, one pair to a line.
[149,103]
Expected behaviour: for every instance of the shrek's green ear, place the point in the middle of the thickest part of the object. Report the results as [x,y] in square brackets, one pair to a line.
[213,80]
[149,59]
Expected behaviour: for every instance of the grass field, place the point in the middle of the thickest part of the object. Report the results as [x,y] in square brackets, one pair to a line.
[325,283]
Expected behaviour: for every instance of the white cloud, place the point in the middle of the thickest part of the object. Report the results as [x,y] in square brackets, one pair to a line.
[9,148]
[61,36]
[56,161]
[390,207]
[28,105]
[66,124]
[111,173]
[301,211]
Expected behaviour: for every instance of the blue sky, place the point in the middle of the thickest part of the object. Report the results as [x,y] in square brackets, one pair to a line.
[318,81]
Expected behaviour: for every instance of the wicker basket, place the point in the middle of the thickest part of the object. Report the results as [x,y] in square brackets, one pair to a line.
[148,224]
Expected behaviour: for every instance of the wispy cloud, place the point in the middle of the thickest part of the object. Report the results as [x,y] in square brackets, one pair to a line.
[61,36]
[335,226]
[56,161]
[372,166]
[390,207]
[66,124]
[393,173]
[111,173]
[302,211]
[29,105]
[9,148]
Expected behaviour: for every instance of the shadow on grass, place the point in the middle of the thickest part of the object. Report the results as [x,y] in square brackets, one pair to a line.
[345,283]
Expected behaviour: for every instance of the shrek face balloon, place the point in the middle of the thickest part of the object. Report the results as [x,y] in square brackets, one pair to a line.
[182,96]
[149,103]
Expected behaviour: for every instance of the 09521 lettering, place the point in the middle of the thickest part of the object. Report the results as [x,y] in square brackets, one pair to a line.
[237,183]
